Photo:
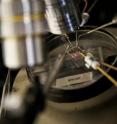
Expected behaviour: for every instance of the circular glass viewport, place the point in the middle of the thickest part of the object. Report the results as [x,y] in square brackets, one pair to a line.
[75,82]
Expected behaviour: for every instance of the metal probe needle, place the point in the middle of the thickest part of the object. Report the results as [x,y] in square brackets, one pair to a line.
[57,66]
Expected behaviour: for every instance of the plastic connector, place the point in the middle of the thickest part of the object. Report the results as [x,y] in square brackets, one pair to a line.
[91,62]
[85,18]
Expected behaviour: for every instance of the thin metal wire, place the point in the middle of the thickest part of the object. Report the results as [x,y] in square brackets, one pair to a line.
[109,66]
[98,28]
[55,38]
[6,91]
[72,59]
[103,26]
[70,43]
[92,6]
[57,66]
[77,38]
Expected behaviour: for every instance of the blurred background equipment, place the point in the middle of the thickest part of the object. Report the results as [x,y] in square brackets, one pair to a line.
[59,56]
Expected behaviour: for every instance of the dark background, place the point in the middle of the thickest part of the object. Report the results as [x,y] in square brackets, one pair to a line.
[103,11]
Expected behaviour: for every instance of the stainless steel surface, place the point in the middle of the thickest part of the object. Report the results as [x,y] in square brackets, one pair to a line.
[62,16]
[22,23]
[36,51]
[11,19]
[34,43]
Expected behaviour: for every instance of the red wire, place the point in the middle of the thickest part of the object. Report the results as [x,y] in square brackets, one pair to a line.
[85,6]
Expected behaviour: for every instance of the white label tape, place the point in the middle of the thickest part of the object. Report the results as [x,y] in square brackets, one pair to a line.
[75,79]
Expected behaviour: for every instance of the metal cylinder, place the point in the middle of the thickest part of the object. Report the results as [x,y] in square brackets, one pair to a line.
[34,15]
[22,22]
[14,53]
[35,25]
[35,49]
[62,16]
[12,28]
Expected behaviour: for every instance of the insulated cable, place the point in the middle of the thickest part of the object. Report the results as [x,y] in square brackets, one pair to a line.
[109,66]
[107,76]
[96,66]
